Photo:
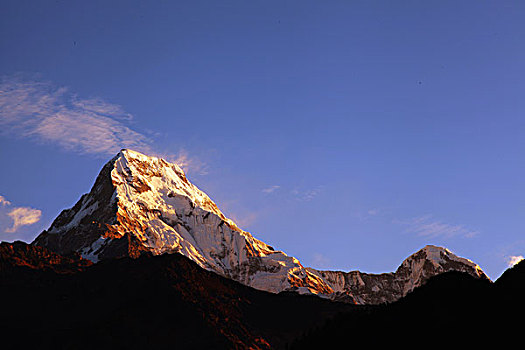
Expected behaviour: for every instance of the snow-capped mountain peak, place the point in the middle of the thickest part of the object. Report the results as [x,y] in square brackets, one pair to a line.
[145,204]
[141,204]
[439,257]
[430,261]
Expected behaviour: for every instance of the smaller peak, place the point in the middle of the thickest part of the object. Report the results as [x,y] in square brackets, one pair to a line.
[432,253]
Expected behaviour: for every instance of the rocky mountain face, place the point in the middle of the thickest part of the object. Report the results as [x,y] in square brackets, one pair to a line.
[141,204]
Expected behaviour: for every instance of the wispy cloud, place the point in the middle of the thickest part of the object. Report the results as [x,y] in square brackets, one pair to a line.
[244,220]
[270,189]
[372,212]
[513,260]
[320,261]
[100,107]
[308,194]
[427,226]
[20,216]
[23,216]
[190,164]
[367,214]
[47,113]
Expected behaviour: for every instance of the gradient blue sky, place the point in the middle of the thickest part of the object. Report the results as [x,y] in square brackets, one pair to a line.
[347,133]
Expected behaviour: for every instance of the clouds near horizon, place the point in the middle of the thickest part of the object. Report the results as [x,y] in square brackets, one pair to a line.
[19,216]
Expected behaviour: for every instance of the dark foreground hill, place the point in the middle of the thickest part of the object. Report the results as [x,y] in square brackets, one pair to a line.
[451,310]
[167,301]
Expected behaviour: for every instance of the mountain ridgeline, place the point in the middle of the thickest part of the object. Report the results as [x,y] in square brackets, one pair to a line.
[166,301]
[146,205]
[147,260]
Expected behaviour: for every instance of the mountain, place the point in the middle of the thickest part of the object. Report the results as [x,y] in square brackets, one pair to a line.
[165,301]
[368,288]
[145,205]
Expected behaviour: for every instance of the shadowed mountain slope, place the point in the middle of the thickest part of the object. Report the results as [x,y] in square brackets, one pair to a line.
[451,310]
[150,302]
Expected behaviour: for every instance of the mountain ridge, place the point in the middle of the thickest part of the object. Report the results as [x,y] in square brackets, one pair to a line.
[142,204]
[414,271]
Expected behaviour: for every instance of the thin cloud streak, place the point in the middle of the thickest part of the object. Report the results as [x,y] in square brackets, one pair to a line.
[307,195]
[426,226]
[373,212]
[270,189]
[43,112]
[188,163]
[50,114]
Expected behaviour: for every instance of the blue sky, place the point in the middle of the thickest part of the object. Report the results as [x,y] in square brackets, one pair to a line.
[348,134]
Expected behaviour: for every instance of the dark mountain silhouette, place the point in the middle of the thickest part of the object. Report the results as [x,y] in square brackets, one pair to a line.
[50,301]
[451,310]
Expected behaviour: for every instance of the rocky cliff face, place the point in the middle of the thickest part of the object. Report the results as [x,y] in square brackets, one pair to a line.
[145,205]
